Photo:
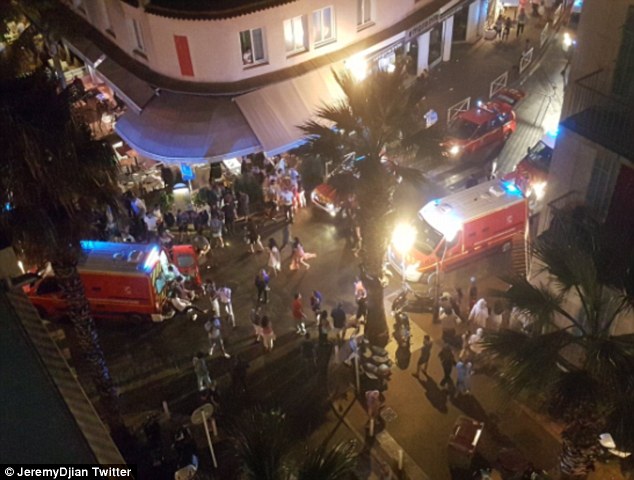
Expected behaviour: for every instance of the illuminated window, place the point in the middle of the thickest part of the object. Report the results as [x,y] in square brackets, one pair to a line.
[364,12]
[295,34]
[323,26]
[252,46]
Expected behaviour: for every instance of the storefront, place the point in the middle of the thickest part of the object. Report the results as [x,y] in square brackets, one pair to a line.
[429,42]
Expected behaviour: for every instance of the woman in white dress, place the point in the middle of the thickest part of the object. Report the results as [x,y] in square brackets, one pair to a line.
[275,258]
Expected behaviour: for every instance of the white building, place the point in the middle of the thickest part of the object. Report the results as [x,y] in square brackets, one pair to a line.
[226,78]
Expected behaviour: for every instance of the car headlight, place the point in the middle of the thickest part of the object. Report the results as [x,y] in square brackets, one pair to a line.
[331,209]
[454,150]
[539,189]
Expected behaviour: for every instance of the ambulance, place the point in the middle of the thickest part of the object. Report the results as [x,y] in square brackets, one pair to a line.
[461,226]
[123,280]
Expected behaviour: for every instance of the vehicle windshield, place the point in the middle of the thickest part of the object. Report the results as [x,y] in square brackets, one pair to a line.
[185,261]
[427,237]
[462,129]
[540,156]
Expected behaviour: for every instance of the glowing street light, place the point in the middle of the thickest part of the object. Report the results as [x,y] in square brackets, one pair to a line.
[403,239]
[358,67]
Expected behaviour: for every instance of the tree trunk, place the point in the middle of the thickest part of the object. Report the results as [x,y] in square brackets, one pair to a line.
[374,195]
[88,339]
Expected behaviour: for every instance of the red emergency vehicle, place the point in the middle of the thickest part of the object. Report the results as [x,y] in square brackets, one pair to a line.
[462,225]
[120,279]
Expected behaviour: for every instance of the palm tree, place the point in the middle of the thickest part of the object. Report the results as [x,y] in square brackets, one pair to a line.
[264,444]
[375,113]
[569,354]
[53,177]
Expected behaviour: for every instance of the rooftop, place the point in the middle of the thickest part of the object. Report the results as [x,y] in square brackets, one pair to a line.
[209,9]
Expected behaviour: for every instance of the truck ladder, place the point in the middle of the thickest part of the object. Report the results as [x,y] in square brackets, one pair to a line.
[518,254]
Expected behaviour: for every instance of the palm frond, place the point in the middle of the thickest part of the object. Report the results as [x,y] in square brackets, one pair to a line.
[574,391]
[324,463]
[262,442]
[527,362]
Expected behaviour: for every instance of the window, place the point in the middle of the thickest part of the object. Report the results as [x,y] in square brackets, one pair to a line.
[139,44]
[105,16]
[323,26]
[364,12]
[252,46]
[295,34]
[601,185]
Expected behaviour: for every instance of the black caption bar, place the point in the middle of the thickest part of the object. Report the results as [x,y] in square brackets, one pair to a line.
[66,472]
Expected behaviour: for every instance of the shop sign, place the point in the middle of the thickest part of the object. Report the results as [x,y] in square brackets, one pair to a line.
[187,172]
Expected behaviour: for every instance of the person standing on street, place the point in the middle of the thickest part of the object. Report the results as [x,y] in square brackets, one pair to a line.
[463,379]
[286,200]
[425,354]
[275,257]
[521,22]
[479,314]
[447,361]
[308,352]
[286,235]
[299,316]
[324,327]
[214,332]
[224,296]
[239,375]
[202,371]
[253,237]
[268,335]
[262,286]
[256,321]
[338,321]
[507,28]
[448,322]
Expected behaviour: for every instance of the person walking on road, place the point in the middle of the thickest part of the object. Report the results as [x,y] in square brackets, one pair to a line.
[262,285]
[425,354]
[308,352]
[212,294]
[507,28]
[315,303]
[447,361]
[214,332]
[275,258]
[202,372]
[286,235]
[268,335]
[448,322]
[521,22]
[324,327]
[297,308]
[338,321]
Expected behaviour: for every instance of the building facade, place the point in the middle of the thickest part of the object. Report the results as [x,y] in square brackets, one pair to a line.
[260,67]
[593,161]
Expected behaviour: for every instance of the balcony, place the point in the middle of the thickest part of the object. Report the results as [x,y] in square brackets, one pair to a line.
[601,116]
[209,9]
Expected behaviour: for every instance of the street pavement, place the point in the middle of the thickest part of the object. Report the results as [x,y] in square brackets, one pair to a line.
[152,363]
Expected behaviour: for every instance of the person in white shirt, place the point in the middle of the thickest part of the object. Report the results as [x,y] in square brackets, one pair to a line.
[224,297]
[286,200]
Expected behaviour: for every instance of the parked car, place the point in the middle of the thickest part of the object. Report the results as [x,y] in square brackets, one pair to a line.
[485,125]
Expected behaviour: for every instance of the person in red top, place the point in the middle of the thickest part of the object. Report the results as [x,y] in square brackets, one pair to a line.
[298,314]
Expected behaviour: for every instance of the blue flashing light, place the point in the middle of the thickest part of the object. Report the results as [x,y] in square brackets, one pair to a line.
[511,188]
[8,207]
[437,201]
[479,103]
[553,132]
[88,244]
[151,259]
[578,3]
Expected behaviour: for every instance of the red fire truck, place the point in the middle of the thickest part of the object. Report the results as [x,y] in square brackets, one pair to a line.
[462,225]
[120,279]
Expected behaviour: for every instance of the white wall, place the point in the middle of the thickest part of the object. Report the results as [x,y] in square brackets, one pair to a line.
[215,45]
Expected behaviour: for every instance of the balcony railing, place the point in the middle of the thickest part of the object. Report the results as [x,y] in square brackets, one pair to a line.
[600,115]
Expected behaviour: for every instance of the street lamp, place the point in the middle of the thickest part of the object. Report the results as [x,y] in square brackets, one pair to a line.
[403,239]
[358,67]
